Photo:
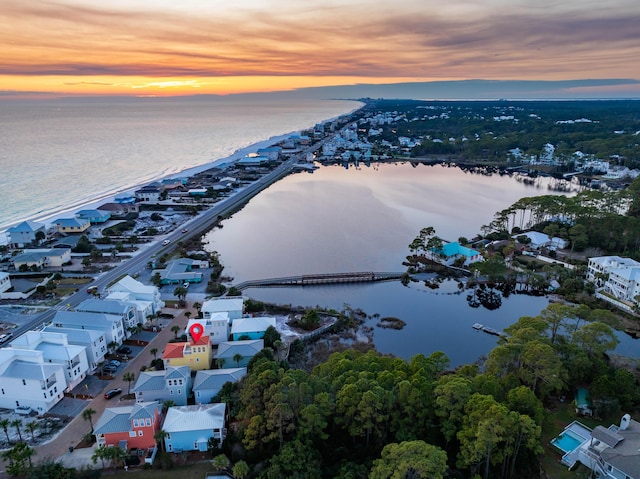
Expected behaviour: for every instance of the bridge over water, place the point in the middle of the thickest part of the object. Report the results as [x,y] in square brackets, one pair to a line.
[315,279]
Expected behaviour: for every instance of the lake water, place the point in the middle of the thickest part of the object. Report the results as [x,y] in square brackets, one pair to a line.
[362,219]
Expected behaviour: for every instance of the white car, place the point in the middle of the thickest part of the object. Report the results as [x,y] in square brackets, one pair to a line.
[166,242]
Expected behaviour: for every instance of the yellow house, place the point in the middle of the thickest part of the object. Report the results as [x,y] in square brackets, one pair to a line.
[196,355]
[72,225]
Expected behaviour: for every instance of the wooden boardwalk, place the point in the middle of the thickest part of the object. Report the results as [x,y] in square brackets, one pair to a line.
[316,279]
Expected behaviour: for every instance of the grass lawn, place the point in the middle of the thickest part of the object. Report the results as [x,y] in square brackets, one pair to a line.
[194,471]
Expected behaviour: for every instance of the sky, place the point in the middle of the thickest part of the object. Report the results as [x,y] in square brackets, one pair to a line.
[171,47]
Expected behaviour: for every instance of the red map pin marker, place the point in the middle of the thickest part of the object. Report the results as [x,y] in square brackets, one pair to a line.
[196,331]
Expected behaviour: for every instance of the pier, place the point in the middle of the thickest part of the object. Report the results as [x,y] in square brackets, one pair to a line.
[317,279]
[488,330]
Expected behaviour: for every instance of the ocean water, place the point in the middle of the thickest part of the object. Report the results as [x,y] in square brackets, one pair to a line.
[58,155]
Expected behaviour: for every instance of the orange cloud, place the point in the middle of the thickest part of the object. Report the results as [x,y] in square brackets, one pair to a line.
[130,45]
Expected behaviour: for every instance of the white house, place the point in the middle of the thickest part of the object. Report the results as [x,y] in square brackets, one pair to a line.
[42,258]
[25,233]
[603,265]
[538,240]
[233,306]
[93,340]
[127,311]
[109,324]
[27,380]
[56,348]
[216,327]
[147,298]
[5,282]
[614,452]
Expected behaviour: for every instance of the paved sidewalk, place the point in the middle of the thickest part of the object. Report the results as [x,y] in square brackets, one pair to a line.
[58,448]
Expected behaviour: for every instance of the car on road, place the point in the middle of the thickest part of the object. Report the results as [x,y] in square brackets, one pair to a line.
[112,393]
[185,230]
[92,289]
[124,350]
[115,362]
[166,242]
[5,337]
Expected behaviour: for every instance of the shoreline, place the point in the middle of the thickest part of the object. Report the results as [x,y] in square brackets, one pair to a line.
[109,196]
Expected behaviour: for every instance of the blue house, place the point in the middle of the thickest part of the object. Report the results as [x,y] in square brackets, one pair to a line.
[189,428]
[238,353]
[171,384]
[251,328]
[94,216]
[209,382]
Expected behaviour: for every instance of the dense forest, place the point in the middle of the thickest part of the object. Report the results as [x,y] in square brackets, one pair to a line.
[488,130]
[365,415]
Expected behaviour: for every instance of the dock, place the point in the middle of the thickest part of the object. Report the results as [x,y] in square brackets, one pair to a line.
[488,330]
[318,279]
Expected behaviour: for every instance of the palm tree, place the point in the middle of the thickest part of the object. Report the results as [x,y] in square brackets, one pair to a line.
[187,314]
[154,352]
[87,415]
[220,462]
[180,292]
[160,436]
[112,346]
[166,405]
[237,358]
[240,470]
[100,453]
[129,377]
[4,424]
[175,330]
[197,306]
[17,423]
[32,427]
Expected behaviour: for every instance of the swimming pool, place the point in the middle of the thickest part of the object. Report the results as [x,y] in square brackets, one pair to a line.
[568,441]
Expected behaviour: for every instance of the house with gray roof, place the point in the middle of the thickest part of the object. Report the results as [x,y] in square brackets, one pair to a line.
[126,310]
[119,210]
[42,258]
[233,306]
[55,348]
[146,297]
[25,233]
[109,324]
[129,427]
[171,384]
[27,379]
[209,382]
[189,428]
[93,340]
[614,452]
[238,353]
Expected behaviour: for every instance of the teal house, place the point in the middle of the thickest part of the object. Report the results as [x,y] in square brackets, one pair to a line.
[453,251]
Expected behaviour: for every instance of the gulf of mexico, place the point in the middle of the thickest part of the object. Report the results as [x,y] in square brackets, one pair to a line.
[57,155]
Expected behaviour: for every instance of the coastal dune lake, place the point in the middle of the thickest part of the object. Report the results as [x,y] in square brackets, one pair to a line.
[339,219]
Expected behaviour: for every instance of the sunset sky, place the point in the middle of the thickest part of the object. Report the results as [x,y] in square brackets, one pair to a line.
[171,47]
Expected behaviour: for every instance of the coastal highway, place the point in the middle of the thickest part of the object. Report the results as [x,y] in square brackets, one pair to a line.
[198,225]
